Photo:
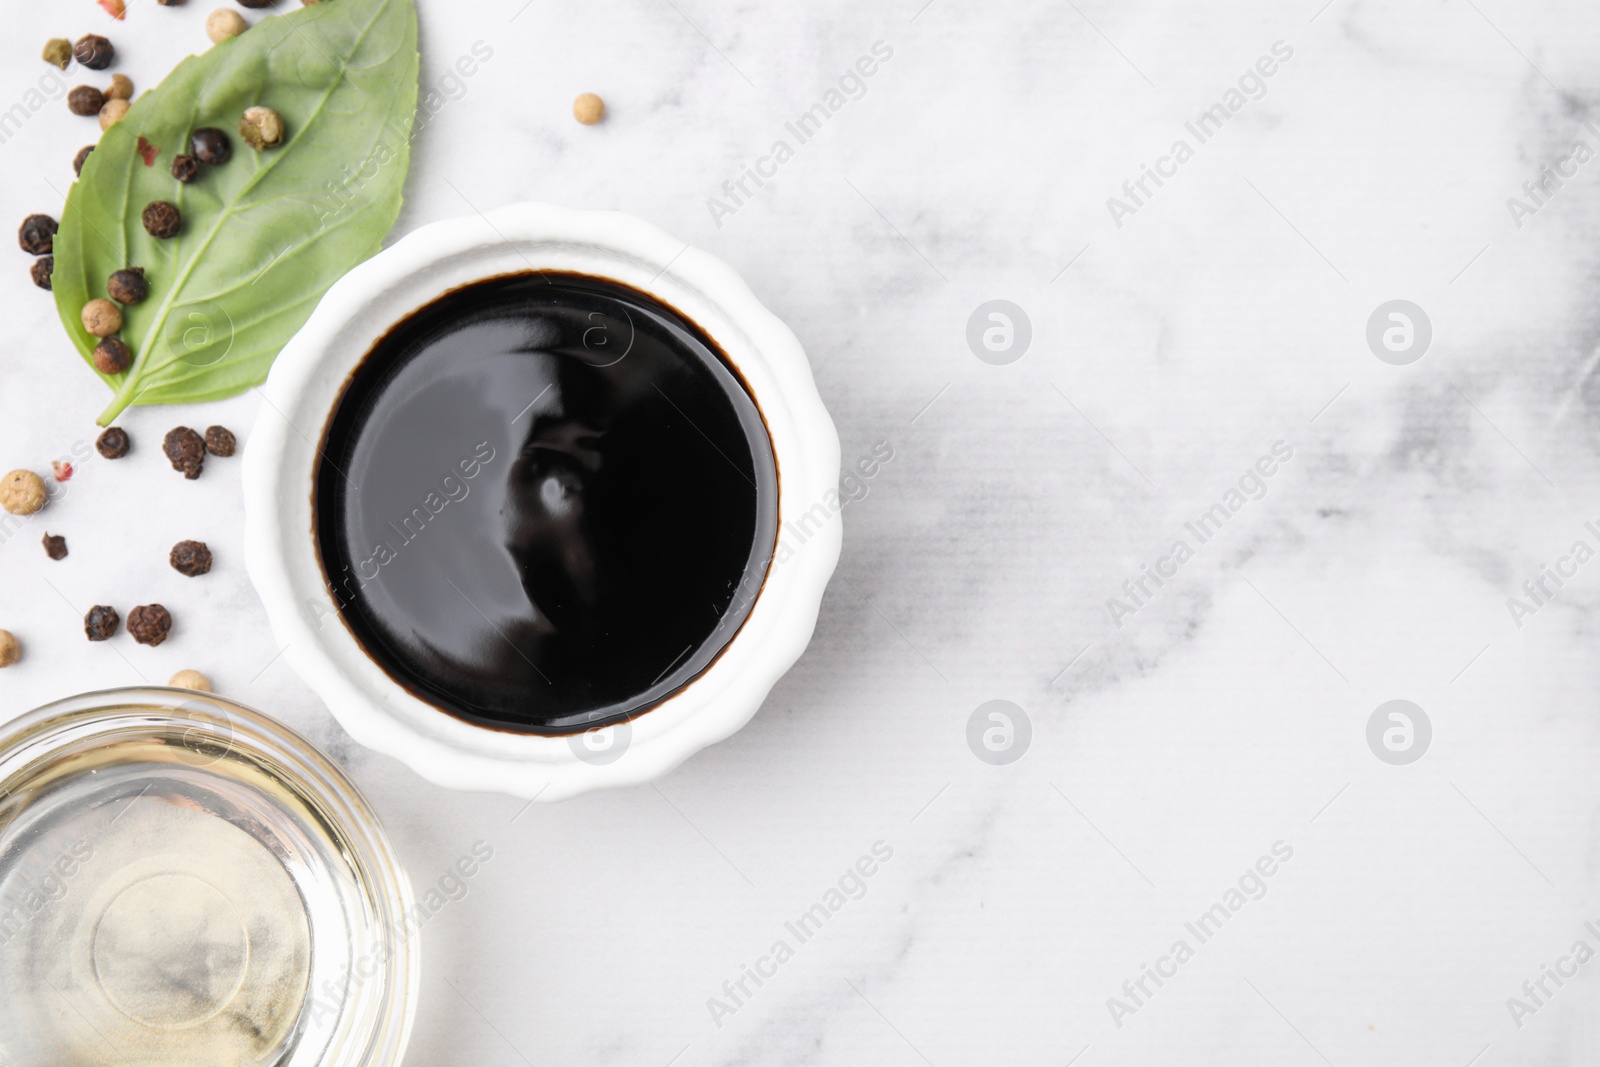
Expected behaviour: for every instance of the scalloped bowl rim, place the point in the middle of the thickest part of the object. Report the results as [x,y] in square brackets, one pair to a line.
[306,381]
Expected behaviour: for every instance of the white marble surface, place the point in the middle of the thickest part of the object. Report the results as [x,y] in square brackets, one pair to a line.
[1227,313]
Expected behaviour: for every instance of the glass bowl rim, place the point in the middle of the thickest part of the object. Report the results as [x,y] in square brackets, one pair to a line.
[34,734]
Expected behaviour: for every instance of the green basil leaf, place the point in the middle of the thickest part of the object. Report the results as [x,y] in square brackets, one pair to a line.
[264,234]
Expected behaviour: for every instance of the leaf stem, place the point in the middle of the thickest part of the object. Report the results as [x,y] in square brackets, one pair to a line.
[119,403]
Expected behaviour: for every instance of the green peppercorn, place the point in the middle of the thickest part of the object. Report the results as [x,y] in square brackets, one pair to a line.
[261,127]
[58,52]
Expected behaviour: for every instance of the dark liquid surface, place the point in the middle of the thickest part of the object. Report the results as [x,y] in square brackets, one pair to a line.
[545,502]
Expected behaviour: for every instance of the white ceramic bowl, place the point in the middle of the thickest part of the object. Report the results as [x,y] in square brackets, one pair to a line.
[305,384]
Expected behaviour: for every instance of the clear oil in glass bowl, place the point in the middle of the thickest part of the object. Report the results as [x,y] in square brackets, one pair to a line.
[183,881]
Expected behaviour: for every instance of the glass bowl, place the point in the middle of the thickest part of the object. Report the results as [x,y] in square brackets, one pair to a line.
[184,880]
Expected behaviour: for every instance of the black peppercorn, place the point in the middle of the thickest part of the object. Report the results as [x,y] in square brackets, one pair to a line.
[185,450]
[111,356]
[41,270]
[113,444]
[128,286]
[185,168]
[190,558]
[86,100]
[149,624]
[210,145]
[257,3]
[161,219]
[220,441]
[101,622]
[94,51]
[170,3]
[55,546]
[81,158]
[37,235]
